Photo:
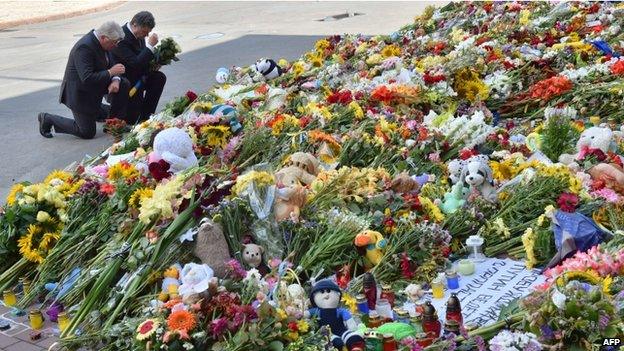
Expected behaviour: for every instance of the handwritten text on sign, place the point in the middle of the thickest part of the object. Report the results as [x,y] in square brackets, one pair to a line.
[494,285]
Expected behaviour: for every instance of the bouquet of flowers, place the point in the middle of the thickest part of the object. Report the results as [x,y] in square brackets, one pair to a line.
[165,52]
[116,127]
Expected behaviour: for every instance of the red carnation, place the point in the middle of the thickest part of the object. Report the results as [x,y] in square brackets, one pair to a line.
[567,202]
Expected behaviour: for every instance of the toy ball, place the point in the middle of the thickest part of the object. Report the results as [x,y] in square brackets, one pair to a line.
[222,75]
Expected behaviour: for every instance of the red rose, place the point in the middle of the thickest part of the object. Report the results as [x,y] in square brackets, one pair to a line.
[191,96]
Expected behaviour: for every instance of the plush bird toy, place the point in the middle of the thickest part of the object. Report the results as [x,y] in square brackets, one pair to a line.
[375,245]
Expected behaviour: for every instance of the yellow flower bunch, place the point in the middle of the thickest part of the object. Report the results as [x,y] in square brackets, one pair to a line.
[357,110]
[374,59]
[350,302]
[390,50]
[528,241]
[260,178]
[468,85]
[215,135]
[122,171]
[298,68]
[138,196]
[57,174]
[201,106]
[525,15]
[161,201]
[13,193]
[315,59]
[351,183]
[321,45]
[458,35]
[590,276]
[285,122]
[431,209]
[576,185]
[501,228]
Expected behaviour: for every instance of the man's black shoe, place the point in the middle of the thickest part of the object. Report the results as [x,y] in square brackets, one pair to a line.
[44,129]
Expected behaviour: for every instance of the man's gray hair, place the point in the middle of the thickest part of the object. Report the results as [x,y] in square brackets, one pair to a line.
[111,29]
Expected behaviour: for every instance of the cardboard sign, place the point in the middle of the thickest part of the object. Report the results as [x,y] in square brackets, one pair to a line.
[493,286]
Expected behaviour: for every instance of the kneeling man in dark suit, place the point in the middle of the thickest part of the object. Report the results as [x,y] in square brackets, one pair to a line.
[135,53]
[90,74]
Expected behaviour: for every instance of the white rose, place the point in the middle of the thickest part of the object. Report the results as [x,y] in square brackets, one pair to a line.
[195,279]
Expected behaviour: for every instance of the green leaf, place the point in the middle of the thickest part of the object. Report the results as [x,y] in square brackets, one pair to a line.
[241,337]
[510,309]
[610,332]
[276,345]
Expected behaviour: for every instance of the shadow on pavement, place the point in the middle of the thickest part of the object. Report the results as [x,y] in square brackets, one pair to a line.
[26,156]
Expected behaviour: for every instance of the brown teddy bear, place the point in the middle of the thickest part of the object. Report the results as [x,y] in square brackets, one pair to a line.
[306,164]
[403,183]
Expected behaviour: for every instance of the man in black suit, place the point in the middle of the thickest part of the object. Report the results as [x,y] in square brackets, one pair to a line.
[135,53]
[89,75]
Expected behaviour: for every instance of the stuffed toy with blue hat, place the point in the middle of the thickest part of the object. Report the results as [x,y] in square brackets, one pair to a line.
[325,299]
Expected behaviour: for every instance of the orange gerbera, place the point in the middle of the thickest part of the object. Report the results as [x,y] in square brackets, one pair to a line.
[182,321]
[319,136]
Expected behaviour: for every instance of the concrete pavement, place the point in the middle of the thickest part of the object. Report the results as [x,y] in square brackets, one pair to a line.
[212,35]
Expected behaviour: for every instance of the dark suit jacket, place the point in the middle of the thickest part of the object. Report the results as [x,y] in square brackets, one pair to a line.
[134,54]
[86,77]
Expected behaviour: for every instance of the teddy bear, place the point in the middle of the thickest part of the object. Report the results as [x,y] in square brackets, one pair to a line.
[477,174]
[374,243]
[174,146]
[610,169]
[307,164]
[211,247]
[403,183]
[290,194]
[325,298]
[253,257]
[592,137]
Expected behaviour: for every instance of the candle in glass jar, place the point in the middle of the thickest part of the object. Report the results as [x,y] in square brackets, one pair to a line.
[452,281]
[9,298]
[36,319]
[466,267]
[437,288]
[63,321]
[387,293]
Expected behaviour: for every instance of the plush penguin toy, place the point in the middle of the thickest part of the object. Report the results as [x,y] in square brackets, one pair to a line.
[268,68]
[325,298]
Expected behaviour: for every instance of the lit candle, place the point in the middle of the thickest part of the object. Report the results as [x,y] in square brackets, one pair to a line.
[63,321]
[437,288]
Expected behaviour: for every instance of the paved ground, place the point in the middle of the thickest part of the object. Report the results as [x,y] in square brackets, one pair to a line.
[15,13]
[212,34]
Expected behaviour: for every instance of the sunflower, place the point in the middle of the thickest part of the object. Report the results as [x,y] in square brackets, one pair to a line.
[138,196]
[146,329]
[58,174]
[181,320]
[390,50]
[298,68]
[26,244]
[217,135]
[15,190]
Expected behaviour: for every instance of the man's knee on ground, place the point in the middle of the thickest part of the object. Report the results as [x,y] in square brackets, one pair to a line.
[87,133]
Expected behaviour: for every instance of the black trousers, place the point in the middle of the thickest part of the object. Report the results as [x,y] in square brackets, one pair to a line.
[83,125]
[143,104]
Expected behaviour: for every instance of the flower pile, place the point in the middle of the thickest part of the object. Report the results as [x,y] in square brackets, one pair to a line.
[368,154]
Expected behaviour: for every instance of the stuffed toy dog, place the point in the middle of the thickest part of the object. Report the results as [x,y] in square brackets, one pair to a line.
[477,174]
[455,168]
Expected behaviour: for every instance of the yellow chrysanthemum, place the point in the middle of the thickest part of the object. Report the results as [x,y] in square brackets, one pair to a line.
[280,314]
[357,110]
[15,190]
[431,209]
[260,178]
[576,185]
[160,203]
[298,68]
[138,196]
[321,45]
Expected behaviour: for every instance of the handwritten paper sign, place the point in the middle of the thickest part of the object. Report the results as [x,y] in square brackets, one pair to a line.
[494,285]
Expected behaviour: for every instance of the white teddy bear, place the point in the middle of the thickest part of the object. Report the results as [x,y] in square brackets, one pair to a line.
[593,137]
[176,147]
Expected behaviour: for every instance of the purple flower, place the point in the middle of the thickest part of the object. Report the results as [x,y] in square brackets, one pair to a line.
[218,327]
[54,310]
[480,343]
[547,332]
[532,346]
[603,321]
